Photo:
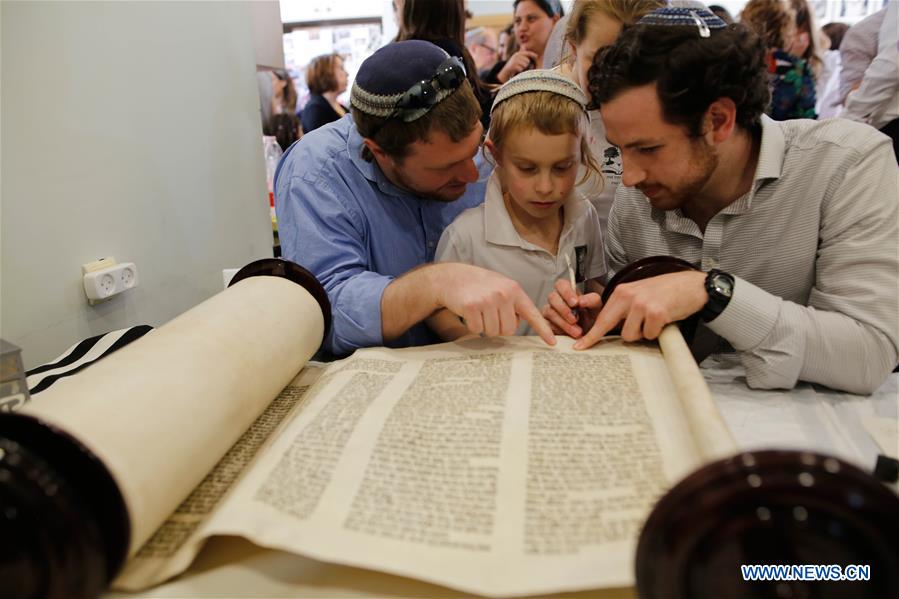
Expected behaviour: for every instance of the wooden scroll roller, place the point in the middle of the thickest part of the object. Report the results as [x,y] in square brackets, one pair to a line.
[785,508]
[80,467]
[766,507]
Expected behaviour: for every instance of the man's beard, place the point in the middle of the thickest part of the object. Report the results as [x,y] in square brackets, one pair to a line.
[445,193]
[703,161]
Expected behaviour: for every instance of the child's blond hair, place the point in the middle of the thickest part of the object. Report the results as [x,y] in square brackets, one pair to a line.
[549,113]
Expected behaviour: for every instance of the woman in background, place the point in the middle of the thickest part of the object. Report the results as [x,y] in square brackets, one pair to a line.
[442,22]
[828,88]
[507,45]
[790,77]
[277,95]
[326,79]
[286,128]
[534,21]
[809,43]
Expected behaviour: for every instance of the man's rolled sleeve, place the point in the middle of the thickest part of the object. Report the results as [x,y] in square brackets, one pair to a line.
[356,312]
[325,235]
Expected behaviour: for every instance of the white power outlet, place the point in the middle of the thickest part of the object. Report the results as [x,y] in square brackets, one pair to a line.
[104,278]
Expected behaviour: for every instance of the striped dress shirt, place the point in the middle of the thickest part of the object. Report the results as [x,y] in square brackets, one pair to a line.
[814,249]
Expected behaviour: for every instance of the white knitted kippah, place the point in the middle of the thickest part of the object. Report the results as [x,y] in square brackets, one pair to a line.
[540,80]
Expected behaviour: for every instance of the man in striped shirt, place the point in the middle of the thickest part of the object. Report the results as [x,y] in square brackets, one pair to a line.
[794,223]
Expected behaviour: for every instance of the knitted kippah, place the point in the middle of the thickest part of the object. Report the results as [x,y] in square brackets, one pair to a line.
[540,80]
[684,16]
[387,74]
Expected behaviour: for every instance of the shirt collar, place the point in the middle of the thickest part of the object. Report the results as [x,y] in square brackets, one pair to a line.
[770,166]
[771,152]
[498,225]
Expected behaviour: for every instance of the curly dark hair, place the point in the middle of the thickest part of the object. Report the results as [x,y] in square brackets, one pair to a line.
[690,72]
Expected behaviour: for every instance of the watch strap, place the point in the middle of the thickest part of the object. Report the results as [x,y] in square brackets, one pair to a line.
[717,301]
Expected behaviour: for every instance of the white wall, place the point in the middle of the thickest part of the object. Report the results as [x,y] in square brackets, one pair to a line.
[268,33]
[129,129]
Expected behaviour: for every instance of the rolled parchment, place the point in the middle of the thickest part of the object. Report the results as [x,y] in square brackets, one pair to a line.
[159,413]
[712,436]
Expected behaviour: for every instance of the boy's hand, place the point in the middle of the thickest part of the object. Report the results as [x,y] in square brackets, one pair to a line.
[569,313]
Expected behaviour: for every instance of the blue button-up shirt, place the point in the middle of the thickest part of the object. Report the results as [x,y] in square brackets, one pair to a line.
[339,217]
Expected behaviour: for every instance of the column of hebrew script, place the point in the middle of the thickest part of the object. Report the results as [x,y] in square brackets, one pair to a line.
[432,477]
[594,467]
[296,484]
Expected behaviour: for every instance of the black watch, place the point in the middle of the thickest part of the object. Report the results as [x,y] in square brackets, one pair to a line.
[720,287]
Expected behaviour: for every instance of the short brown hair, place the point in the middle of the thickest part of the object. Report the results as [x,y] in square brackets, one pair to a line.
[320,74]
[456,115]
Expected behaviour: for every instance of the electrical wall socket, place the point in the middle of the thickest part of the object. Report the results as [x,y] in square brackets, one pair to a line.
[105,278]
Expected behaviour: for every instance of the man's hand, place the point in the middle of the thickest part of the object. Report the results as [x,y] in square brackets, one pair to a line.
[647,305]
[518,62]
[489,302]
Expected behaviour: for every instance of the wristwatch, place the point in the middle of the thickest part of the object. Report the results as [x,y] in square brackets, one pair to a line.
[720,287]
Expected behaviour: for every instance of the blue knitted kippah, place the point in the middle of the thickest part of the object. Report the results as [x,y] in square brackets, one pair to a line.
[683,16]
[387,74]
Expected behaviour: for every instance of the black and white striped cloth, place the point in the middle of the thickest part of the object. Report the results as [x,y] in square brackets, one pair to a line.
[81,355]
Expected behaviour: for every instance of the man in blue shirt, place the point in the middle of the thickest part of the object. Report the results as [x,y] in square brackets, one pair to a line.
[362,202]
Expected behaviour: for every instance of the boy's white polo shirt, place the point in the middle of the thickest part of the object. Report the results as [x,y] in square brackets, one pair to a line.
[485,236]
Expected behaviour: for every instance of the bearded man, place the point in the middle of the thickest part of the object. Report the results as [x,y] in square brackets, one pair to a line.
[792,225]
[362,202]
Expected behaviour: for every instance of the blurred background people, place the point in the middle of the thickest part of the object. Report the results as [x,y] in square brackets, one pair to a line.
[828,90]
[857,50]
[533,23]
[790,77]
[483,45]
[277,94]
[809,42]
[286,128]
[506,44]
[326,79]
[876,101]
[442,22]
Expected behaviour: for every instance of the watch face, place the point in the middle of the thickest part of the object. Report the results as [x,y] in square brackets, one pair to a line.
[723,285]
